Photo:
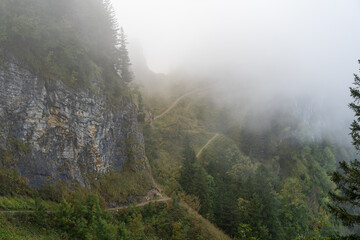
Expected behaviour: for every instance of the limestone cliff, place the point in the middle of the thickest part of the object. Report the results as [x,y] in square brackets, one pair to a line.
[71,132]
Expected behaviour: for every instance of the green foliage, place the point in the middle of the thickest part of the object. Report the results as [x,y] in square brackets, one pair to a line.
[72,41]
[348,193]
[40,214]
[140,106]
[294,212]
[76,42]
[14,149]
[355,106]
[124,60]
[53,192]
[259,207]
[195,181]
[133,184]
[16,203]
[164,221]
[271,179]
[22,227]
[345,198]
[245,233]
[11,183]
[82,217]
[187,172]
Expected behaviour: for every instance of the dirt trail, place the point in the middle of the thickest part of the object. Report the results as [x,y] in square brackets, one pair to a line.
[211,139]
[176,102]
[165,199]
[141,204]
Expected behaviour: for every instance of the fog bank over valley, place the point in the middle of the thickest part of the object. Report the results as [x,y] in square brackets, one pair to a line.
[259,53]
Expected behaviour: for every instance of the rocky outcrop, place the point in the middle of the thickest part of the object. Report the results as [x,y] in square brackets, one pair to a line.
[71,132]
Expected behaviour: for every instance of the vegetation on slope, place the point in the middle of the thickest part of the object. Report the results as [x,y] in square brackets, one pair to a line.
[267,182]
[76,42]
[345,197]
[82,216]
[71,41]
[253,183]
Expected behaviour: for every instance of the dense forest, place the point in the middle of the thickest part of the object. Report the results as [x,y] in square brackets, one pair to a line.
[72,41]
[268,182]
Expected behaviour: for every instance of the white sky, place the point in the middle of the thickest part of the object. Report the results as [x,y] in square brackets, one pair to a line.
[296,47]
[173,32]
[283,45]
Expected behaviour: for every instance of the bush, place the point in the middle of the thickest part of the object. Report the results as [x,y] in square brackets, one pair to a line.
[83,217]
[11,183]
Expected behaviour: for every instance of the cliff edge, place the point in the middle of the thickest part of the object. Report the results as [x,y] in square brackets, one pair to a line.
[70,132]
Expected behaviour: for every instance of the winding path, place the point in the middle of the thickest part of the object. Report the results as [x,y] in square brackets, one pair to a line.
[176,102]
[210,140]
[173,105]
[165,199]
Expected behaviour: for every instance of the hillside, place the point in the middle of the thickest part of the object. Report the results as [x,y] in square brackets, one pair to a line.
[66,113]
[72,152]
[85,153]
[267,182]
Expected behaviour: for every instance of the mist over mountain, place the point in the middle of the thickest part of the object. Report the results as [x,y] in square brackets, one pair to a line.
[256,52]
[181,119]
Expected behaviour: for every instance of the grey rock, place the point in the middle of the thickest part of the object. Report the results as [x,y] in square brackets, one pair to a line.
[71,132]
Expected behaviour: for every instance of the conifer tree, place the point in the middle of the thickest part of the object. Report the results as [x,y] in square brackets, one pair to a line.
[346,197]
[124,59]
[188,170]
[195,181]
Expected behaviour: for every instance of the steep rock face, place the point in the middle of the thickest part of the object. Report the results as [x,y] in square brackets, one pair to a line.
[70,132]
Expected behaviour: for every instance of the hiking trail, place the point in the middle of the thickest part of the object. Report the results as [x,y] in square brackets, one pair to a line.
[175,103]
[210,140]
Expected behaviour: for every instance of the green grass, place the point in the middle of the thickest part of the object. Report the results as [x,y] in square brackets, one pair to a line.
[12,203]
[21,227]
[165,137]
[16,203]
[119,188]
[166,141]
[209,231]
[196,117]
[171,220]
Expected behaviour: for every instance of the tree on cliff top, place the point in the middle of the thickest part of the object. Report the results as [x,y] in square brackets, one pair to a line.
[124,59]
[75,41]
[346,197]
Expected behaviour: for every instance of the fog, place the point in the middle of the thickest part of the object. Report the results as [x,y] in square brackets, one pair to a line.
[303,49]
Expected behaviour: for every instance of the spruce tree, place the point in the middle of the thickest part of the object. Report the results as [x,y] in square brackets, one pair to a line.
[124,59]
[355,106]
[195,181]
[346,197]
[187,171]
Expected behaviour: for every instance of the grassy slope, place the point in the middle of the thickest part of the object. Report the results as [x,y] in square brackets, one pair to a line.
[12,203]
[21,225]
[199,118]
[194,116]
[208,229]
[12,228]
